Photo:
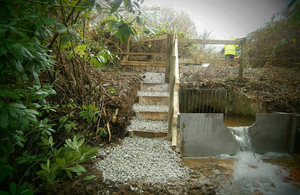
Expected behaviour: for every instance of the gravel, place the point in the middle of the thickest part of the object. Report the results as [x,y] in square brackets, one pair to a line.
[153,94]
[150,77]
[151,161]
[150,108]
[140,124]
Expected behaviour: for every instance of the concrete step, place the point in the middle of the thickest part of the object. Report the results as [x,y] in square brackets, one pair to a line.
[151,112]
[162,87]
[146,128]
[153,98]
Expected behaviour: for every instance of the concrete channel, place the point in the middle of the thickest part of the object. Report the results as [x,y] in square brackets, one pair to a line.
[204,134]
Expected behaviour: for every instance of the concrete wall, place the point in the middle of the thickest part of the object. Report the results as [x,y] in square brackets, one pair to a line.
[205,134]
[273,132]
[218,100]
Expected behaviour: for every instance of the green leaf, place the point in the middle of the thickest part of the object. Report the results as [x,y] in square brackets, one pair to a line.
[80,143]
[291,3]
[70,144]
[124,32]
[48,164]
[17,65]
[80,168]
[73,169]
[61,30]
[139,21]
[48,21]
[51,141]
[3,49]
[137,5]
[151,29]
[99,9]
[16,105]
[13,188]
[38,23]
[69,174]
[17,54]
[44,167]
[22,190]
[101,59]
[24,36]
[6,170]
[61,162]
[89,177]
[115,5]
[3,118]
[128,4]
[64,39]
[36,78]
[12,95]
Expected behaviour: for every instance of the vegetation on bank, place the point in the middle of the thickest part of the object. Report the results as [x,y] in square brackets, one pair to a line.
[277,44]
[48,108]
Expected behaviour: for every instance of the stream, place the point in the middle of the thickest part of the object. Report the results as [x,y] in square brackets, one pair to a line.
[254,176]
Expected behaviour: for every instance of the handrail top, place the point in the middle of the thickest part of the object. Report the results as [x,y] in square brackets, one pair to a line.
[140,54]
[210,41]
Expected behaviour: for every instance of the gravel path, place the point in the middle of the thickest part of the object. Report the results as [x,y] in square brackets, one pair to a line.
[150,108]
[150,160]
[140,124]
[150,77]
[153,94]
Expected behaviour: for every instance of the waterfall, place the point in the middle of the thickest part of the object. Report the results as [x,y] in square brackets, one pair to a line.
[252,174]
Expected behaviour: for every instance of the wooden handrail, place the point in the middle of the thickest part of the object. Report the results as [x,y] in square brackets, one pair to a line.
[210,41]
[141,54]
[157,38]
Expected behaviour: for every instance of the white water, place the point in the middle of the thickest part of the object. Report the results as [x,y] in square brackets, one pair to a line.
[253,175]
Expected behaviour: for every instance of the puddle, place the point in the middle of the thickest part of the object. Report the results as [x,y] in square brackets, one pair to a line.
[235,120]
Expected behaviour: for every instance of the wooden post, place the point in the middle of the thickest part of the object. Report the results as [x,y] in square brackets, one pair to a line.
[173,93]
[127,49]
[169,56]
[242,59]
[171,96]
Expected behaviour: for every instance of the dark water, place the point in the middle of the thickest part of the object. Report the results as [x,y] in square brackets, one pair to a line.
[235,120]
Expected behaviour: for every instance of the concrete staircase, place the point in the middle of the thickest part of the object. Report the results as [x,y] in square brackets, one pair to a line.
[151,111]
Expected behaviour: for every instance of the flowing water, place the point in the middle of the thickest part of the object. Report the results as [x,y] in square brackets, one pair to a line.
[252,175]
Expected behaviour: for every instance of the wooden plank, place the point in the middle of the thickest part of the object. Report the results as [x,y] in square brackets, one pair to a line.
[149,134]
[171,94]
[153,116]
[157,38]
[142,54]
[210,41]
[153,100]
[141,63]
[200,61]
[169,56]
[174,133]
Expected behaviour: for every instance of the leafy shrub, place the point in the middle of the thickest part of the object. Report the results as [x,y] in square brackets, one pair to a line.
[66,159]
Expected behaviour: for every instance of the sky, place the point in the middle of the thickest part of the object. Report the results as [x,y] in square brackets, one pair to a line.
[226,18]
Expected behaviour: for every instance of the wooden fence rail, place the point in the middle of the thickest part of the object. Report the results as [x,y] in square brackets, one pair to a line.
[168,54]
